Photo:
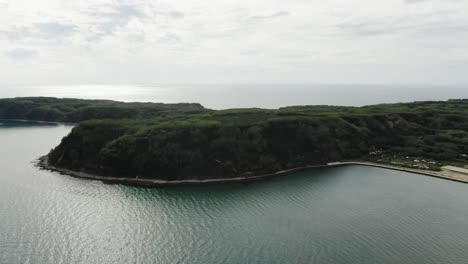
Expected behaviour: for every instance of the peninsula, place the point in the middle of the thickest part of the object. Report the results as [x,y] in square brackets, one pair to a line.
[186,142]
[76,110]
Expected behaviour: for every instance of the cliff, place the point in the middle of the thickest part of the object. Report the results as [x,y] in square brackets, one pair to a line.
[244,142]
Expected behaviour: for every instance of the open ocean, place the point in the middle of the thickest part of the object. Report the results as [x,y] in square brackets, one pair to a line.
[222,96]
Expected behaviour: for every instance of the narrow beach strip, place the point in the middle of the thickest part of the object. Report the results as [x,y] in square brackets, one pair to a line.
[438,174]
[153,183]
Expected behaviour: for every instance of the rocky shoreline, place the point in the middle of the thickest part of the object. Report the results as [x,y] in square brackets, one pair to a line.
[153,183]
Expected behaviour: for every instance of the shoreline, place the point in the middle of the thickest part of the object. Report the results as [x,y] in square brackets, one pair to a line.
[37,122]
[43,164]
[436,174]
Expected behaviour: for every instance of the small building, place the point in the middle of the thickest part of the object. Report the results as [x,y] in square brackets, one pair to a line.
[455,169]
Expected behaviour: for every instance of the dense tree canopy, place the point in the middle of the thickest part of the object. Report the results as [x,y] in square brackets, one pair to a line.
[76,110]
[243,142]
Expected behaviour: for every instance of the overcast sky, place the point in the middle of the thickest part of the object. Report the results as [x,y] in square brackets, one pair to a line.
[48,42]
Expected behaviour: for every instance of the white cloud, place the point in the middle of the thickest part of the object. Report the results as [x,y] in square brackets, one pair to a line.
[106,41]
[21,54]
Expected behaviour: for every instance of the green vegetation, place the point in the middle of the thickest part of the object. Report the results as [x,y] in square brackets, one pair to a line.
[244,142]
[76,110]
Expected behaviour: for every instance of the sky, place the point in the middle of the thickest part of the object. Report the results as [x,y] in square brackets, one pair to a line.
[71,42]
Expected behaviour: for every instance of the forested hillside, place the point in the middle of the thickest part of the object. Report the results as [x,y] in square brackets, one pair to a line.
[243,142]
[76,110]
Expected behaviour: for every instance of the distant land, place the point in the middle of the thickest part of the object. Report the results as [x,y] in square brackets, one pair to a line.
[177,142]
[76,110]
[267,96]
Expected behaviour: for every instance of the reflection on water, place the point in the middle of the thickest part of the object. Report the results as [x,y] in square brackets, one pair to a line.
[342,215]
[222,96]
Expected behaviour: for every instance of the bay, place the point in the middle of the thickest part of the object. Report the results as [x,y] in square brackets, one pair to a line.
[341,215]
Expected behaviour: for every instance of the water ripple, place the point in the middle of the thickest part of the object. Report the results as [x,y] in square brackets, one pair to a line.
[343,215]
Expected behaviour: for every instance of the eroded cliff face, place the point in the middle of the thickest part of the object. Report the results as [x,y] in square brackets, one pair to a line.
[208,151]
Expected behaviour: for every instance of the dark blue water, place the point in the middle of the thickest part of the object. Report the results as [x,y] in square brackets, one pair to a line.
[342,215]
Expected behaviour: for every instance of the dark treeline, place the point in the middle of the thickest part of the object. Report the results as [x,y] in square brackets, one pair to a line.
[76,110]
[243,142]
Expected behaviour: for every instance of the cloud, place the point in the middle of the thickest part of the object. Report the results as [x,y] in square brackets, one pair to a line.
[21,54]
[16,33]
[176,14]
[84,40]
[53,30]
[114,17]
[425,26]
[44,31]
[367,28]
[415,1]
[271,16]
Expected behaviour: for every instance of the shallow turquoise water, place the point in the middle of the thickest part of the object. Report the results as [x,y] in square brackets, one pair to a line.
[343,215]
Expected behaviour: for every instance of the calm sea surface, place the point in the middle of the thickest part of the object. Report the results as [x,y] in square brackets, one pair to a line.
[221,96]
[342,215]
